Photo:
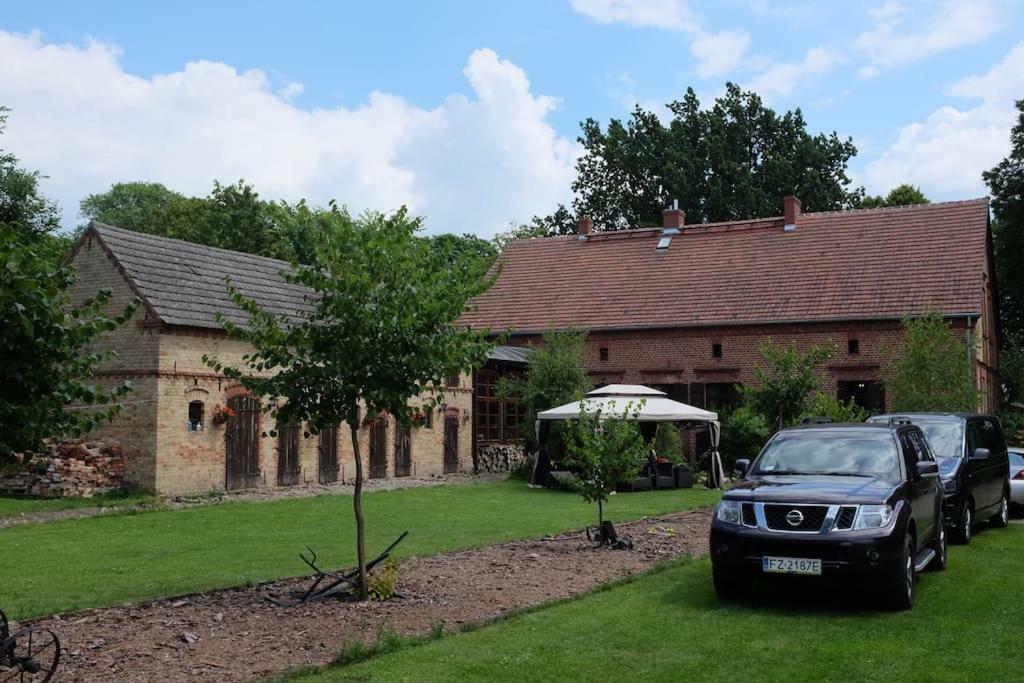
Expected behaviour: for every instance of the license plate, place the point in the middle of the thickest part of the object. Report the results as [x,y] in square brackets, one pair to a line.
[791,565]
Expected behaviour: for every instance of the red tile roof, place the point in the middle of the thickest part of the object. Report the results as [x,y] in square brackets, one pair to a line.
[866,263]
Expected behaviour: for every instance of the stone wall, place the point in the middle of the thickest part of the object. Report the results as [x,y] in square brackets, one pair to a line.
[499,457]
[68,469]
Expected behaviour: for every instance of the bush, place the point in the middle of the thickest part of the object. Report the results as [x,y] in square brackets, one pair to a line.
[744,432]
[826,405]
[668,444]
[1013,427]
[383,580]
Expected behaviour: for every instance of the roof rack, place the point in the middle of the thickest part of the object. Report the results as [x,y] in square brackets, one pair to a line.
[897,420]
[816,420]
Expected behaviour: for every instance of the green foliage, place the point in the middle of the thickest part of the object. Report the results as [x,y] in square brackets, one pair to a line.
[822,404]
[1011,366]
[932,372]
[604,451]
[383,581]
[901,195]
[381,334]
[1006,184]
[667,443]
[784,382]
[555,375]
[1013,426]
[744,432]
[735,159]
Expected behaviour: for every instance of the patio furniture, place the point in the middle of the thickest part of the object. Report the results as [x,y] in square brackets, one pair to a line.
[661,474]
[683,477]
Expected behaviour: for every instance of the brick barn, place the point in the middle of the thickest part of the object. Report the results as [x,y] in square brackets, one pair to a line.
[685,307]
[171,442]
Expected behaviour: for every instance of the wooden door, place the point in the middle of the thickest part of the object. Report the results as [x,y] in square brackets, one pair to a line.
[242,444]
[327,448]
[451,444]
[378,454]
[287,454]
[403,451]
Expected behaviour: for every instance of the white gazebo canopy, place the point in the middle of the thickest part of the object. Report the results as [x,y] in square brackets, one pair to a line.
[615,400]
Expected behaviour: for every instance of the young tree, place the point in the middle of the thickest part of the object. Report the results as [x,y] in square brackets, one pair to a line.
[603,451]
[785,381]
[381,335]
[933,372]
[555,375]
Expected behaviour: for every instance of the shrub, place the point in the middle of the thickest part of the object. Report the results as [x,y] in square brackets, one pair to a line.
[383,580]
[668,444]
[826,405]
[744,432]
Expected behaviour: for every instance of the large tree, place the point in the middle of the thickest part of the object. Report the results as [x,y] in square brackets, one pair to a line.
[47,359]
[381,336]
[901,195]
[734,160]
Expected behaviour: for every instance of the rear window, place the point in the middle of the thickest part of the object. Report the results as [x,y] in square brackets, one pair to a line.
[945,436]
[1017,459]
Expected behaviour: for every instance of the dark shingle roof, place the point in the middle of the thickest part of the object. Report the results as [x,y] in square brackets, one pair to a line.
[184,283]
[872,263]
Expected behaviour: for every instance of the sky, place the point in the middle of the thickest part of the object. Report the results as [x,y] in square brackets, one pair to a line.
[468,112]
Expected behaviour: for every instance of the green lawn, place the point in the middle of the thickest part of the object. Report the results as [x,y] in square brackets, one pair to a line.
[669,626]
[67,565]
[11,506]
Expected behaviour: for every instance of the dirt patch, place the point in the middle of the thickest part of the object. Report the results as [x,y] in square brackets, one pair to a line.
[236,635]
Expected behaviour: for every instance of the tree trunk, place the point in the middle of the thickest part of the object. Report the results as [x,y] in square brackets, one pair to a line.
[600,516]
[357,504]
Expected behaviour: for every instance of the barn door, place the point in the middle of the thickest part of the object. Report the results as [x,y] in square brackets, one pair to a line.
[242,444]
[328,452]
[378,454]
[451,444]
[287,454]
[403,450]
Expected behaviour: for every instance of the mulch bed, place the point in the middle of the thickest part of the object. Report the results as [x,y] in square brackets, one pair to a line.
[238,634]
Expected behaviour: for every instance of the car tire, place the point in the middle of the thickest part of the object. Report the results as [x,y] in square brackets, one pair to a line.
[965,523]
[1002,518]
[730,585]
[941,547]
[901,594]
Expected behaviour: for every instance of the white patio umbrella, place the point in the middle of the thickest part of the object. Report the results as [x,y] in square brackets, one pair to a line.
[643,404]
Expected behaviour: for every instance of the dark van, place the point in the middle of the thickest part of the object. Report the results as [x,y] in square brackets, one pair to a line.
[973,465]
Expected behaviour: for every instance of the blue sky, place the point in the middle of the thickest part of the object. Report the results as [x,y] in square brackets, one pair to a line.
[468,111]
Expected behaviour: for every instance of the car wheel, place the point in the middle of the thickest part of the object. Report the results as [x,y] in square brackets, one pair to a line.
[1002,518]
[904,588]
[965,523]
[730,585]
[941,549]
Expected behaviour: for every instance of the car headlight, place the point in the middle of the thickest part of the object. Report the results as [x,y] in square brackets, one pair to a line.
[729,511]
[950,485]
[872,516]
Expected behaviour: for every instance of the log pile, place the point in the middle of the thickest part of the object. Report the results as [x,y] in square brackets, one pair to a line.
[499,457]
[67,469]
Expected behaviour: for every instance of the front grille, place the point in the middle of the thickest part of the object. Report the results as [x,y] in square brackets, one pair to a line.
[749,518]
[777,517]
[846,515]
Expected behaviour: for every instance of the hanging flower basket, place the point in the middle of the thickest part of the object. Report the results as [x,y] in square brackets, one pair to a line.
[222,414]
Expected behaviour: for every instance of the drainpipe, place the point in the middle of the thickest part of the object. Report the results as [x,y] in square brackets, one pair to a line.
[970,358]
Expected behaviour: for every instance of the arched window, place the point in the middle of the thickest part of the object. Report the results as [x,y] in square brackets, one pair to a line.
[195,416]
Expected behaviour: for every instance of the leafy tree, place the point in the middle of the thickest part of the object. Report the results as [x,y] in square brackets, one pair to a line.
[667,442]
[555,375]
[823,404]
[785,381]
[150,208]
[932,373]
[901,195]
[604,451]
[736,159]
[1011,366]
[382,333]
[744,433]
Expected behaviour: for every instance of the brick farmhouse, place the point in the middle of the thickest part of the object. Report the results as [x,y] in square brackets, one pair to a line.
[686,307]
[171,441]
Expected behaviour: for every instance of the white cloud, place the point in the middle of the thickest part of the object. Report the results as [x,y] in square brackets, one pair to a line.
[719,53]
[673,15]
[946,153]
[785,78]
[470,164]
[956,23]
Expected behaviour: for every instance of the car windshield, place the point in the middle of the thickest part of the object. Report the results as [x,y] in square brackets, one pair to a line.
[823,453]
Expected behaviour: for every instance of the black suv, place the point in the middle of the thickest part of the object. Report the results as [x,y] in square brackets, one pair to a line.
[857,501]
[973,465]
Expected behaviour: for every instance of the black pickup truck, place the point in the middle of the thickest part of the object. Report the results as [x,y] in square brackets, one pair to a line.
[859,501]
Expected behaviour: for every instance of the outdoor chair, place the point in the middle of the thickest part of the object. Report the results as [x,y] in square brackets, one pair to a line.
[661,473]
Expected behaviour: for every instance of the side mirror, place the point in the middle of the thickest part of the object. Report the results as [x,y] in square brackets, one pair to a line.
[981,454]
[741,467]
[927,468]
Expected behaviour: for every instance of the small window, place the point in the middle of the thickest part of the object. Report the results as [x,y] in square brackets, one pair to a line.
[427,419]
[452,380]
[604,353]
[716,350]
[853,346]
[195,416]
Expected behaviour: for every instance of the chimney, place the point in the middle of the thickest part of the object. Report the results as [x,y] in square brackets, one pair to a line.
[673,218]
[586,226]
[791,209]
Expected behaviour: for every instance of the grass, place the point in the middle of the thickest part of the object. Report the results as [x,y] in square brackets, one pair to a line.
[75,564]
[12,506]
[669,625]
